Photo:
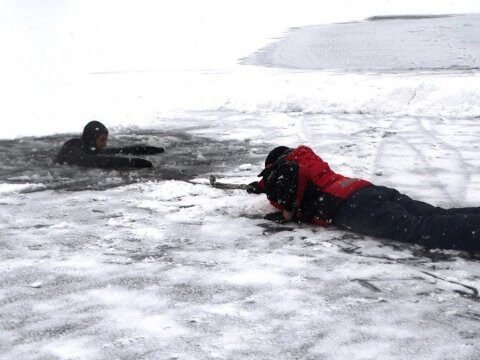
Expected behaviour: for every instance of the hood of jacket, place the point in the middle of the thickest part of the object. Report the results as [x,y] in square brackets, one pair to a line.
[91,132]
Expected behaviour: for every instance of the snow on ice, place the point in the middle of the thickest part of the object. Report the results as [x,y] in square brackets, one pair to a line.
[157,264]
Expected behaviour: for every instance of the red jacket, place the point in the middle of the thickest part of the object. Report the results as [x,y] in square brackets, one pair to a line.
[312,170]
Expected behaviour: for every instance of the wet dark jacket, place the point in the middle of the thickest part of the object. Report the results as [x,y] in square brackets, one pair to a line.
[82,151]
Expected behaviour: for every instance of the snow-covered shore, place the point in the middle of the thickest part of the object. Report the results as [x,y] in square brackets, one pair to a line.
[69,62]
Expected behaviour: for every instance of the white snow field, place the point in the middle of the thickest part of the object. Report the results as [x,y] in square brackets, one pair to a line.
[157,264]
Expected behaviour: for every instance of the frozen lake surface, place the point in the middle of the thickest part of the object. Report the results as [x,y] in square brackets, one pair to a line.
[157,264]
[178,270]
[383,43]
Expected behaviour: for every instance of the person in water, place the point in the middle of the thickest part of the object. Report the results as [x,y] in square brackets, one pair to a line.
[91,150]
[304,188]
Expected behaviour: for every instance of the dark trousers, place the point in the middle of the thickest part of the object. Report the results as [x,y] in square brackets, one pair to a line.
[383,212]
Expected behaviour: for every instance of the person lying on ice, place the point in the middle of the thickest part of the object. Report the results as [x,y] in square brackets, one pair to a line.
[300,184]
[90,150]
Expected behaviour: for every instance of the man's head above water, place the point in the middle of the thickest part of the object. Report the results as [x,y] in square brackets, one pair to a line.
[95,135]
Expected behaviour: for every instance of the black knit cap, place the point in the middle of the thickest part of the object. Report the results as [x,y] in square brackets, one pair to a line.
[274,156]
[91,132]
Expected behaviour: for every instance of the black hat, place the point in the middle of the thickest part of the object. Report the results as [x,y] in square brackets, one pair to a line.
[274,156]
[91,132]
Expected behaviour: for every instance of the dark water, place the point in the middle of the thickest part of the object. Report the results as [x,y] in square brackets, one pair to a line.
[30,160]
[405,17]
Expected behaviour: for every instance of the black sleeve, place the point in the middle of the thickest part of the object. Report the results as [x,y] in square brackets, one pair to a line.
[133,150]
[76,156]
[254,188]
[281,184]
